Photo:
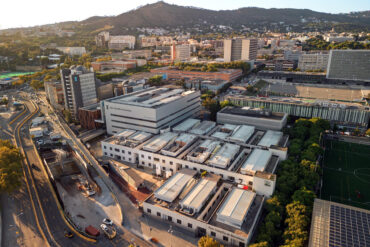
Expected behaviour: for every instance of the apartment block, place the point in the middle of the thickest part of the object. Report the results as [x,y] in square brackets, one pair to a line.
[180,52]
[315,61]
[240,49]
[54,93]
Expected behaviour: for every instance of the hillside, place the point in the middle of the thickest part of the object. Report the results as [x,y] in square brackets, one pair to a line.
[163,15]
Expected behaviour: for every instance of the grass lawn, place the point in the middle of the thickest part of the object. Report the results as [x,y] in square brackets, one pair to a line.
[346,173]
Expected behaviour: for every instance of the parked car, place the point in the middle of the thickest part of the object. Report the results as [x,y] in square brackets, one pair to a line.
[108,221]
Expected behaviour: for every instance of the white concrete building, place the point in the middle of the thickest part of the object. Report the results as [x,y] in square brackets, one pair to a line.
[314,61]
[240,49]
[149,110]
[169,152]
[180,52]
[121,42]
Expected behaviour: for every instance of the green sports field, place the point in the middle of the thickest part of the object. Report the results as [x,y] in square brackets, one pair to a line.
[13,74]
[346,173]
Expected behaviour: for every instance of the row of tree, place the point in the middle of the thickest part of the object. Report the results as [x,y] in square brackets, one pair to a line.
[288,211]
[10,167]
[318,43]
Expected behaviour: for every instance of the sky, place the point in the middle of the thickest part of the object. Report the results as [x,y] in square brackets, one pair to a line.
[24,13]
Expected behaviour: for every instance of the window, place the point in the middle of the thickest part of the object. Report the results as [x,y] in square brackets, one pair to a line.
[171,169]
[186,166]
[129,152]
[163,168]
[241,244]
[178,222]
[123,151]
[116,149]
[149,158]
[129,159]
[225,239]
[105,153]
[156,159]
[169,218]
[158,214]
[142,162]
[194,168]
[163,161]
[190,225]
[105,147]
[213,234]
[110,148]
[142,156]
[171,163]
[149,210]
[149,164]
[123,158]
[111,155]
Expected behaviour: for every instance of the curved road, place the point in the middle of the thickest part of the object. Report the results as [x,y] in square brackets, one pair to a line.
[50,221]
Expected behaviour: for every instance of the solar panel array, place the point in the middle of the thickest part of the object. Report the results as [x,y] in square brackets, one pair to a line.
[348,227]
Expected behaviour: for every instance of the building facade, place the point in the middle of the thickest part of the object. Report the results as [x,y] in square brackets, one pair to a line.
[54,93]
[180,52]
[149,110]
[349,65]
[316,61]
[79,88]
[121,42]
[240,49]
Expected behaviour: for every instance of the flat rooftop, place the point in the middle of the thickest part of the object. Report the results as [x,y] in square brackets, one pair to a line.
[174,185]
[235,208]
[150,97]
[224,155]
[129,138]
[197,196]
[202,128]
[257,160]
[159,142]
[175,147]
[242,133]
[186,125]
[225,131]
[253,112]
[201,153]
[270,138]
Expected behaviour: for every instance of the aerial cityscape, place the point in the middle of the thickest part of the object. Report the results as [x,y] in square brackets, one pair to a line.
[205,123]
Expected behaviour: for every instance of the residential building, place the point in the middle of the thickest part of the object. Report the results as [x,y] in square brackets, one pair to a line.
[228,75]
[349,65]
[149,110]
[54,93]
[314,61]
[72,51]
[148,41]
[134,54]
[240,49]
[102,39]
[121,42]
[180,52]
[79,88]
[331,38]
[350,115]
[292,55]
[260,118]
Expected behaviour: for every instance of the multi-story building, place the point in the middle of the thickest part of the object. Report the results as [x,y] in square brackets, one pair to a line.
[113,65]
[228,75]
[292,55]
[121,42]
[350,115]
[314,61]
[79,88]
[349,65]
[87,116]
[102,39]
[180,52]
[54,93]
[240,49]
[148,41]
[280,65]
[260,118]
[72,51]
[137,54]
[149,110]
[238,153]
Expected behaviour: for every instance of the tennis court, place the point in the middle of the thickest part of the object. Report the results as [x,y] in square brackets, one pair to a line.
[346,173]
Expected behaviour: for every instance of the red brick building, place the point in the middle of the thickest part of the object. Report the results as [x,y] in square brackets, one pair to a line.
[87,116]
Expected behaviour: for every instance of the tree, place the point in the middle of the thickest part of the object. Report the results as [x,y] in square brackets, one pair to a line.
[207,241]
[67,116]
[36,84]
[368,132]
[261,244]
[10,167]
[155,81]
[225,103]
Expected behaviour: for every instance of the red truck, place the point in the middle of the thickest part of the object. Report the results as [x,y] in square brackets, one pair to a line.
[92,231]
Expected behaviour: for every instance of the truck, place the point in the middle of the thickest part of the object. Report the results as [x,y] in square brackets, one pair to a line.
[92,231]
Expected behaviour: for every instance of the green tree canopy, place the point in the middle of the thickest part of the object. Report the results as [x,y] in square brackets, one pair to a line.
[207,241]
[10,167]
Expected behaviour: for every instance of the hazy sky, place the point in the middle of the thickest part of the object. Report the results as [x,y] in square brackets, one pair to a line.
[23,13]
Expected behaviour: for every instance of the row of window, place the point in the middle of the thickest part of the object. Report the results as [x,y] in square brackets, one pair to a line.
[189,225]
[116,149]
